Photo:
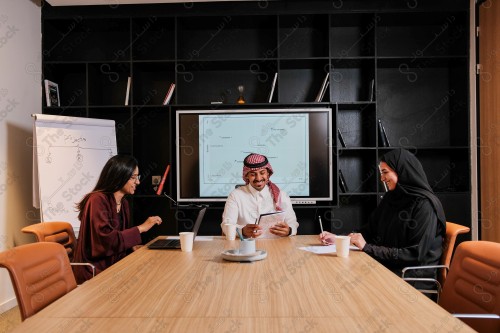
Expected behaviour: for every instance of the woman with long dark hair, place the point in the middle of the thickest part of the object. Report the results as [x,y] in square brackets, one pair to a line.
[104,237]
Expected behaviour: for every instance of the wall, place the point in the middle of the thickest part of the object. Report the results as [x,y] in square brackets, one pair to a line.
[489,85]
[20,96]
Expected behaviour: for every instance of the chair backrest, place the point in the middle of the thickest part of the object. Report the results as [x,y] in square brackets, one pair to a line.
[40,274]
[57,232]
[473,284]
[452,231]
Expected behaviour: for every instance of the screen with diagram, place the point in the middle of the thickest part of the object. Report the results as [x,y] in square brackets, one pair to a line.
[211,146]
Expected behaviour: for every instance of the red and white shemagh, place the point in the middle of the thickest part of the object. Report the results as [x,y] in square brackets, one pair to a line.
[254,162]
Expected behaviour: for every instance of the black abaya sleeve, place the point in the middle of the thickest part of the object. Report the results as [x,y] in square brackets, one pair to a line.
[420,244]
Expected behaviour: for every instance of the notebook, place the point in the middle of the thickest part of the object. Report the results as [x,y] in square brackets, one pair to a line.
[165,244]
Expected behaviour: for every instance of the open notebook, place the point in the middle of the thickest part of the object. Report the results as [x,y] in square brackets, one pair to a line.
[165,244]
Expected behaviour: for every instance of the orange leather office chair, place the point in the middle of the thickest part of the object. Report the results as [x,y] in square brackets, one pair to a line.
[40,274]
[472,288]
[452,231]
[58,232]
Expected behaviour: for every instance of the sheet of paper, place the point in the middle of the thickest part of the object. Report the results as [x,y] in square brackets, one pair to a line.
[204,238]
[198,238]
[321,249]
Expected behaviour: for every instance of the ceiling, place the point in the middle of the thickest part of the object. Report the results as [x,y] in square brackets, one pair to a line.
[120,2]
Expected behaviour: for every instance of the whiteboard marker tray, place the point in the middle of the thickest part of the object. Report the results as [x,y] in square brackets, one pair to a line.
[234,255]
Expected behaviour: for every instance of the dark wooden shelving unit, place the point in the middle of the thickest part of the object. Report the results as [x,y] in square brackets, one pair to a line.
[405,65]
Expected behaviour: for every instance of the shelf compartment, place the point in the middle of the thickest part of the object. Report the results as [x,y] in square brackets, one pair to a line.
[352,35]
[299,81]
[358,125]
[151,81]
[79,39]
[108,83]
[359,168]
[66,111]
[71,80]
[151,146]
[351,80]
[457,209]
[153,38]
[303,36]
[227,37]
[432,99]
[123,125]
[447,170]
[354,212]
[206,82]
[423,34]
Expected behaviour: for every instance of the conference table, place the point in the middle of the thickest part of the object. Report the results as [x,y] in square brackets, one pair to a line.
[291,290]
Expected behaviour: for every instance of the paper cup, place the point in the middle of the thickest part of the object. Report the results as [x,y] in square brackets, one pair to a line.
[342,243]
[247,246]
[230,231]
[186,241]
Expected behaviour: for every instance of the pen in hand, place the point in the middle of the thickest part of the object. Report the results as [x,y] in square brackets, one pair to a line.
[320,224]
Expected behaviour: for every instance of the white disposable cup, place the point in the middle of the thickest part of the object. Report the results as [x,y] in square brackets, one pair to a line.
[230,231]
[342,243]
[186,241]
[247,246]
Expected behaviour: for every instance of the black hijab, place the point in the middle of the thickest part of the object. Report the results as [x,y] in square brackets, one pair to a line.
[413,181]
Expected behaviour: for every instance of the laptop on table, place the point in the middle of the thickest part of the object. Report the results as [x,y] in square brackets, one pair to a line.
[165,244]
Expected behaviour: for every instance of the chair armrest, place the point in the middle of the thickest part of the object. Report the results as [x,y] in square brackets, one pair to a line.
[436,291]
[84,264]
[404,270]
[427,291]
[476,315]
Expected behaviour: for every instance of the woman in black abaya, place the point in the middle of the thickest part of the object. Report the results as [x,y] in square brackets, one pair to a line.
[408,226]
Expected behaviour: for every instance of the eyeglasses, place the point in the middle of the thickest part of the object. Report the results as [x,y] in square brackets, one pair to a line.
[136,177]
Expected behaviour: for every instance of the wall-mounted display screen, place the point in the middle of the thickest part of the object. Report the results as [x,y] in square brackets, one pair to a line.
[211,146]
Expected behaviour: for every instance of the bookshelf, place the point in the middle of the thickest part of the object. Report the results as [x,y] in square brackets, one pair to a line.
[416,56]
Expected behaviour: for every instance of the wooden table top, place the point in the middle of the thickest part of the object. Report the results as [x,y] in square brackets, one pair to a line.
[291,290]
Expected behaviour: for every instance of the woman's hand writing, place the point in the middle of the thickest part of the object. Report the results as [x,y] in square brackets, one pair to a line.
[327,238]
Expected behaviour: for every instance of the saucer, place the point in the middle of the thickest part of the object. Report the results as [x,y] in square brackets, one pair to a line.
[234,255]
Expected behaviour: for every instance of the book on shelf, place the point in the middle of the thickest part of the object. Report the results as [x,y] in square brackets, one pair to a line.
[162,182]
[271,93]
[372,90]
[342,183]
[324,91]
[341,138]
[127,94]
[321,92]
[52,93]
[384,141]
[169,94]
